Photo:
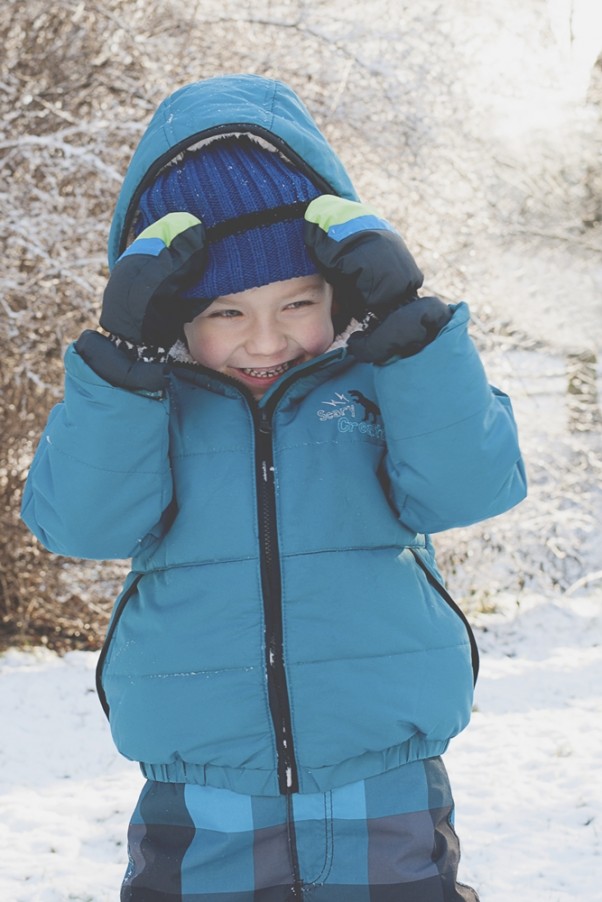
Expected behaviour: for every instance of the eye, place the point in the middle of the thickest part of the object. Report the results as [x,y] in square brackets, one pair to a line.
[224,314]
[297,305]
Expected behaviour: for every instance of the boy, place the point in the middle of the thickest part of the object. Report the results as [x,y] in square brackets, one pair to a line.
[273,426]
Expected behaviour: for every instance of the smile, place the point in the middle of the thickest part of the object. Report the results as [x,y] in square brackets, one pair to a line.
[268,373]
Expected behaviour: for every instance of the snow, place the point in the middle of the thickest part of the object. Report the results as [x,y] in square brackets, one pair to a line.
[525,774]
[65,794]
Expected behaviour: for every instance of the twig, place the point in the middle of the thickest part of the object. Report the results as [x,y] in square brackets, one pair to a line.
[556,236]
[586,580]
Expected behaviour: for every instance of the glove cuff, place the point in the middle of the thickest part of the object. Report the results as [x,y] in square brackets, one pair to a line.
[115,364]
[142,352]
[403,333]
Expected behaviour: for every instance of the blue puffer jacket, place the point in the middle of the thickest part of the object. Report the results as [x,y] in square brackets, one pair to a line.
[284,626]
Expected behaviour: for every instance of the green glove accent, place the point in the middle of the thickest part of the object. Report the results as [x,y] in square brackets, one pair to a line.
[166,229]
[329,210]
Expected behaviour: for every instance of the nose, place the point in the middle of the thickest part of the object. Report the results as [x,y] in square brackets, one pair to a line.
[266,339]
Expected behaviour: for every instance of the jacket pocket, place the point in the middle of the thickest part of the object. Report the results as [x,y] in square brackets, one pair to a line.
[442,591]
[120,608]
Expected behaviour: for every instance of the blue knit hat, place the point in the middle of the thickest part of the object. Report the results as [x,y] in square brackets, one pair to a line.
[252,203]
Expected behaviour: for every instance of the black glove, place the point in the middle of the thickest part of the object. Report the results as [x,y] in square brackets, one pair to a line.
[361,254]
[140,302]
[119,366]
[402,333]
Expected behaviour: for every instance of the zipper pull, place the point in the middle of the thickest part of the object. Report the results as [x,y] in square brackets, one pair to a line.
[265,425]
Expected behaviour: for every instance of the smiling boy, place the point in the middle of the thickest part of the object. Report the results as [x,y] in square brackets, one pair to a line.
[257,335]
[284,660]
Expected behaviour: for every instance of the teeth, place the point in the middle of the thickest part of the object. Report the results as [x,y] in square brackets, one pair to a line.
[266,374]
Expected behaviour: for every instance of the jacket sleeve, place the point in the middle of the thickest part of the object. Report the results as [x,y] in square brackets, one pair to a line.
[100,480]
[453,454]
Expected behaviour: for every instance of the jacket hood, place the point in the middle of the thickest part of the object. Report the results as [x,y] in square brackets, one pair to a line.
[248,104]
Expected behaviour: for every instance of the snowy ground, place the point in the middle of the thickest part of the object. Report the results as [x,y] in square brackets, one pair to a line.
[526,774]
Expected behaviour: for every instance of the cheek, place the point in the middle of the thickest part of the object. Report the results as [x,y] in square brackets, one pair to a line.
[204,347]
[319,336]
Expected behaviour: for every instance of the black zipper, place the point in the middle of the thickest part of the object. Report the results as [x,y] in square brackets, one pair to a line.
[288,780]
[474,651]
[280,709]
[107,643]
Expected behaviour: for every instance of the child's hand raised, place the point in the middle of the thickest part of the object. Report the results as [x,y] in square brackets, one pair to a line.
[140,300]
[357,250]
[140,304]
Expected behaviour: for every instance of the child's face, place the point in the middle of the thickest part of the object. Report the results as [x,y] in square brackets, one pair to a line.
[256,335]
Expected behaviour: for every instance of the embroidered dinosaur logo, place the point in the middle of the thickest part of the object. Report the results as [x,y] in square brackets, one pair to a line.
[371,409]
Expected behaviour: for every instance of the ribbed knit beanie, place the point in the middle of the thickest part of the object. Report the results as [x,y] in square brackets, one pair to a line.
[252,203]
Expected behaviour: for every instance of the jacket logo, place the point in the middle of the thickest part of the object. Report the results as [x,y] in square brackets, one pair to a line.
[339,406]
[353,412]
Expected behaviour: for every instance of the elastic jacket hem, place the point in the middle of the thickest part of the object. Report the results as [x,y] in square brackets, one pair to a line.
[322,779]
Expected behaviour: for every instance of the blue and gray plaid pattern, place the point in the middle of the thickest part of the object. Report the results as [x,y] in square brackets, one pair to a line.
[389,838]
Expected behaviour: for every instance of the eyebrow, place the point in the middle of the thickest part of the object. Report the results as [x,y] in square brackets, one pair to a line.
[229,300]
[315,286]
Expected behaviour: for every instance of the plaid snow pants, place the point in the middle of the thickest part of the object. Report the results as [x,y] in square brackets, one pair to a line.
[389,838]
